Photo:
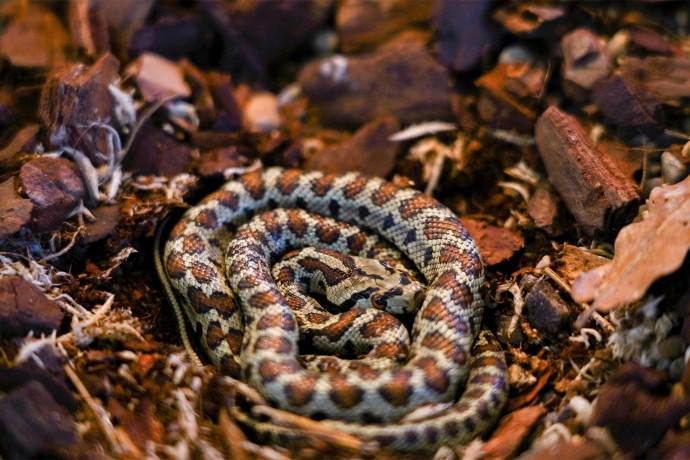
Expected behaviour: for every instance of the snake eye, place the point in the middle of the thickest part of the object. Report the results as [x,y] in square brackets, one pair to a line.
[378,301]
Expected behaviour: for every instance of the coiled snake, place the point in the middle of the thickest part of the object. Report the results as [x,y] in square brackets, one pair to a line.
[218,261]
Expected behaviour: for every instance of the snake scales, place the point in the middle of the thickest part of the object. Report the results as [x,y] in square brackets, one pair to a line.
[220,270]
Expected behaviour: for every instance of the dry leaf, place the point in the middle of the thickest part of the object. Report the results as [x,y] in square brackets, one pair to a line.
[645,251]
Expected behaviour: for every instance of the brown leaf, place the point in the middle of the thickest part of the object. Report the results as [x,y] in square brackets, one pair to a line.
[645,251]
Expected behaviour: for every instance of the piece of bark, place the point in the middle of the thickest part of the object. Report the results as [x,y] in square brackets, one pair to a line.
[510,96]
[350,91]
[496,244]
[229,116]
[635,408]
[594,190]
[24,308]
[73,99]
[175,38]
[675,445]
[51,377]
[33,38]
[652,42]
[33,425]
[15,211]
[585,63]
[211,140]
[581,449]
[644,251]
[124,17]
[107,220]
[532,20]
[512,432]
[369,150]
[156,152]
[214,162]
[202,99]
[666,78]
[247,47]
[362,25]
[546,310]
[55,188]
[464,36]
[157,78]
[542,207]
[627,104]
[7,105]
[628,161]
[17,143]
[573,260]
[141,424]
[89,27]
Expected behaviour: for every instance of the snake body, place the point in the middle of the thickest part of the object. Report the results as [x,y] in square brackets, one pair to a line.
[218,260]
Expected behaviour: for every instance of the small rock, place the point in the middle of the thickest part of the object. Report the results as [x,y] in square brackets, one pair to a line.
[510,96]
[585,63]
[350,91]
[158,78]
[496,244]
[636,408]
[15,211]
[512,432]
[55,188]
[363,25]
[369,150]
[261,114]
[532,20]
[626,103]
[155,152]
[546,310]
[24,308]
[673,170]
[107,220]
[33,425]
[458,29]
[542,207]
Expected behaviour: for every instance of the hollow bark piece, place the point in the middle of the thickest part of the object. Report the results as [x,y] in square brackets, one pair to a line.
[594,190]
[401,79]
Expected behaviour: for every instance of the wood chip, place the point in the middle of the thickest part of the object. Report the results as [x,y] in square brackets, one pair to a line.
[594,190]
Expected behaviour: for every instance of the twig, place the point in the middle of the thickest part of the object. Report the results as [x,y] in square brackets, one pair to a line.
[102,417]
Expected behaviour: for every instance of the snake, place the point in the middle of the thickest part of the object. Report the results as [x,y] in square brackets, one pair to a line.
[216,270]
